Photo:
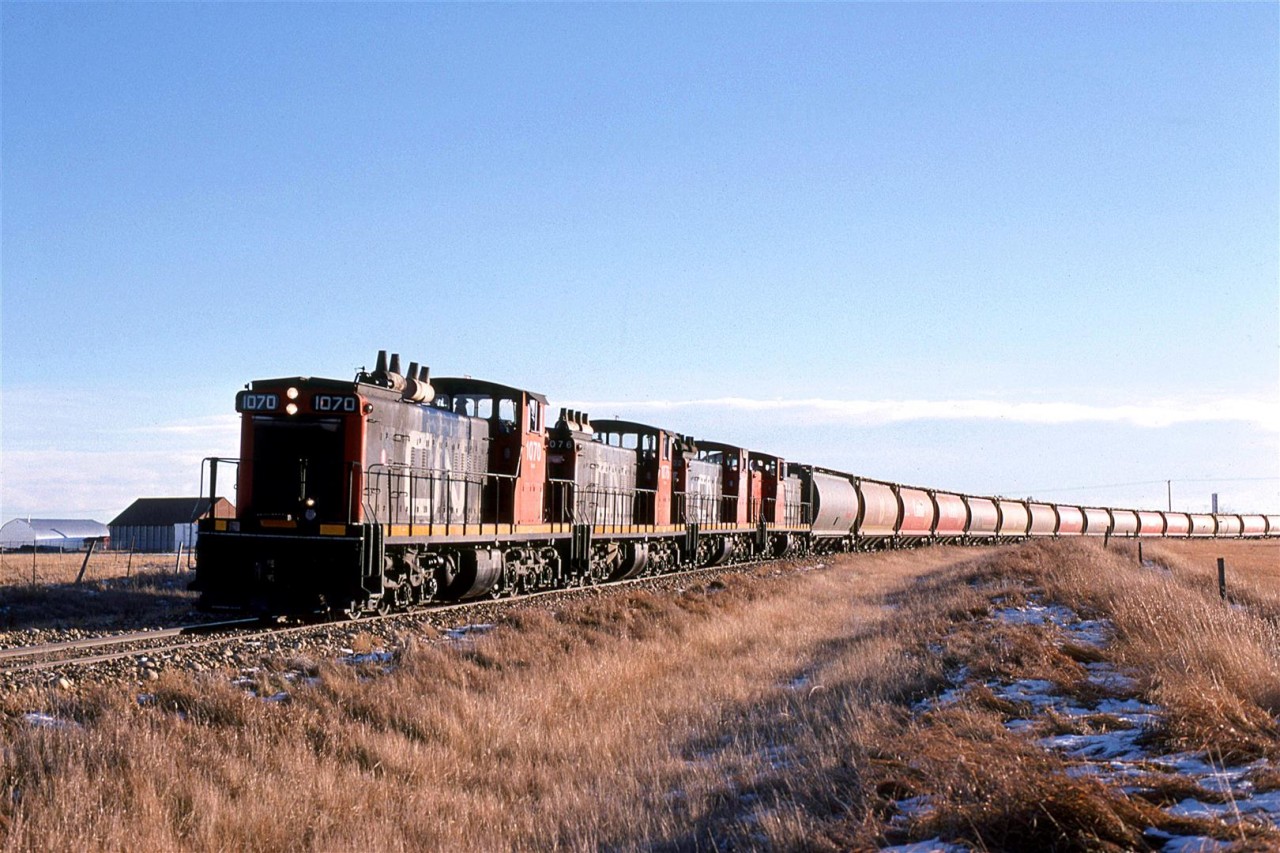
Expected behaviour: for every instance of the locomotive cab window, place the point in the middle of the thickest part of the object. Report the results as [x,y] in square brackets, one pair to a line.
[507,414]
[535,416]
[471,405]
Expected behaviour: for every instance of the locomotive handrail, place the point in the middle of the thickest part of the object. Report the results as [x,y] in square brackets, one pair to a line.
[213,476]
[394,475]
[620,506]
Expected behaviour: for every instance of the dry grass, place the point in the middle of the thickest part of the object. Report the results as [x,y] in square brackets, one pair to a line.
[16,567]
[116,590]
[766,711]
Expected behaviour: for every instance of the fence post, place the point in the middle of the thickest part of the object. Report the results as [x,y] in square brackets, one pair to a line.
[1222,578]
[85,564]
[177,561]
[128,569]
[34,549]
[1139,552]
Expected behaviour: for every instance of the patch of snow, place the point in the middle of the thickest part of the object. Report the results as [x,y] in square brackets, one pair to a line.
[467,632]
[933,845]
[1117,756]
[778,756]
[1090,632]
[800,682]
[370,657]
[1033,613]
[1106,746]
[1106,676]
[909,808]
[1185,843]
[40,720]
[1266,805]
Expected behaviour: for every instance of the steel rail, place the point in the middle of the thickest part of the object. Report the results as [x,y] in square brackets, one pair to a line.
[119,639]
[285,630]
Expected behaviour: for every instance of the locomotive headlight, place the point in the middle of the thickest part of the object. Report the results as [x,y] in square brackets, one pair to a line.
[311,501]
[292,393]
[291,408]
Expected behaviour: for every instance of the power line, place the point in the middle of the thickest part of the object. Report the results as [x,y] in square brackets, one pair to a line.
[1155,483]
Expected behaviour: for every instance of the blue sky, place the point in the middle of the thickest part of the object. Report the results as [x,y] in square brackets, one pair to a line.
[997,248]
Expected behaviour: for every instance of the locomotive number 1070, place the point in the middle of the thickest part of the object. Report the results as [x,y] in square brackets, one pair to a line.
[335,403]
[251,402]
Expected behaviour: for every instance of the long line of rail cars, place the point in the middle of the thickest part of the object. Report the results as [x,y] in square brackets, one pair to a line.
[393,490]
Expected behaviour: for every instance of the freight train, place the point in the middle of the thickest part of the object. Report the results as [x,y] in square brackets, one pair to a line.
[394,490]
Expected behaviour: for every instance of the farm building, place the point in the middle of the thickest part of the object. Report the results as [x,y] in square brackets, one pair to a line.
[162,524]
[51,534]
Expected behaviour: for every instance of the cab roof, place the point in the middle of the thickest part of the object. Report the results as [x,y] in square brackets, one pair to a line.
[463,385]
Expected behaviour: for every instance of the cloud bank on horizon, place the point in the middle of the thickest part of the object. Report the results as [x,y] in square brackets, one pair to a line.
[1264,414]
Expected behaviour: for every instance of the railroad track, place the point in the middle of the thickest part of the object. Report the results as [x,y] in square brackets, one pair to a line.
[49,655]
[167,641]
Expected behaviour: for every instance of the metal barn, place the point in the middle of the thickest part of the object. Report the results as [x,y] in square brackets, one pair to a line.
[51,534]
[160,525]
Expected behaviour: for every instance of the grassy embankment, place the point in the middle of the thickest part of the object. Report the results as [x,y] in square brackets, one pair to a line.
[768,710]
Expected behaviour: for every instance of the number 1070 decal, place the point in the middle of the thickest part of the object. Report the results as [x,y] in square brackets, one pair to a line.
[335,403]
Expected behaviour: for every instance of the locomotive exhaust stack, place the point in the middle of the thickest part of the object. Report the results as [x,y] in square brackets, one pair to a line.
[417,385]
[388,376]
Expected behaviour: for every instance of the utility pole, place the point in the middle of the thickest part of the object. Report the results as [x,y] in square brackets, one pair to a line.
[1169,485]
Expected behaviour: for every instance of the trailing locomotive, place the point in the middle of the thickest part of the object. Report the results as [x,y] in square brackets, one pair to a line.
[393,490]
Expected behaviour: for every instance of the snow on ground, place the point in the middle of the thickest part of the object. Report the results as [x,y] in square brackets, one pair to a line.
[1116,754]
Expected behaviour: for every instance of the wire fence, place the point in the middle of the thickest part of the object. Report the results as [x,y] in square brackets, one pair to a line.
[54,567]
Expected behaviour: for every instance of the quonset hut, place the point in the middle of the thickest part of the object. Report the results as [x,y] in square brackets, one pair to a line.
[160,525]
[51,534]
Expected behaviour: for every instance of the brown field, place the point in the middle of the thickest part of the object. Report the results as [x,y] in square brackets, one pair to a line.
[772,710]
[54,568]
[116,592]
